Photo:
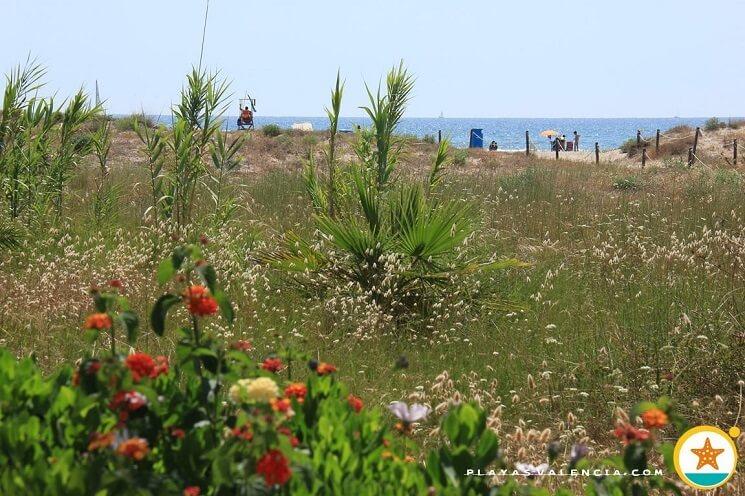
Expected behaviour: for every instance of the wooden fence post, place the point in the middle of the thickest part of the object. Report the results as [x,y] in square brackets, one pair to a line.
[597,153]
[690,157]
[439,135]
[734,152]
[695,140]
[644,156]
[657,143]
[527,143]
[638,137]
[557,149]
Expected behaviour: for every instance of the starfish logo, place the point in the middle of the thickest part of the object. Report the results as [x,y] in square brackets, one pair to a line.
[705,457]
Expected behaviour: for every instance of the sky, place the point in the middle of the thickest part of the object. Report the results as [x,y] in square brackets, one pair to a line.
[586,58]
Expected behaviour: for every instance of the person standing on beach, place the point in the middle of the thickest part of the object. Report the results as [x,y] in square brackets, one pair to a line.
[576,141]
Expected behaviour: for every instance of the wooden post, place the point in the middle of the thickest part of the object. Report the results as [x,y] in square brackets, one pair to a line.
[527,143]
[557,149]
[597,153]
[734,151]
[638,137]
[439,135]
[644,156]
[690,157]
[657,143]
[695,140]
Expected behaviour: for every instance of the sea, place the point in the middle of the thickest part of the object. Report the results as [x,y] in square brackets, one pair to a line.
[509,133]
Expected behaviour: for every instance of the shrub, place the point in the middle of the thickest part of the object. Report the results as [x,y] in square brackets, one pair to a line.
[460,156]
[132,121]
[630,147]
[429,138]
[714,124]
[735,123]
[629,183]
[271,130]
[680,129]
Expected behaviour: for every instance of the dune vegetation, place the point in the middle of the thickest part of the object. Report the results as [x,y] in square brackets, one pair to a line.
[514,298]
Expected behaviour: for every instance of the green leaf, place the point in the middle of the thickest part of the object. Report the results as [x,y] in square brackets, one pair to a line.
[130,321]
[160,310]
[166,270]
[226,308]
[209,276]
[635,457]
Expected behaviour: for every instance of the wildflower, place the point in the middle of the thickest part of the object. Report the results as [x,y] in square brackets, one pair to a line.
[262,389]
[116,283]
[126,402]
[274,467]
[294,441]
[272,365]
[161,366]
[296,390]
[135,448]
[325,368]
[627,433]
[199,302]
[243,432]
[178,433]
[355,403]
[408,414]
[242,345]
[192,491]
[99,440]
[140,365]
[654,418]
[98,321]
[282,405]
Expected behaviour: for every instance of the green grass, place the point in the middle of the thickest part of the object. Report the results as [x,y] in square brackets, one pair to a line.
[614,306]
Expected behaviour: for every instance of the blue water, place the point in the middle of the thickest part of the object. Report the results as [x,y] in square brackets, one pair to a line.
[509,133]
[707,478]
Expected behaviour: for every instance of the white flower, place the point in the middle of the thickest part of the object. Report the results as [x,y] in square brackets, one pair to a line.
[408,414]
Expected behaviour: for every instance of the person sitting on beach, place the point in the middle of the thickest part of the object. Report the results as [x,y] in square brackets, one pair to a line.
[493,146]
[246,118]
[576,141]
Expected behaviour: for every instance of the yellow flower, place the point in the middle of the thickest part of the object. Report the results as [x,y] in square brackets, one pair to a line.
[262,389]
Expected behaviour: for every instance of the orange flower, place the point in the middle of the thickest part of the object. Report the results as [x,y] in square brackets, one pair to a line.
[355,403]
[98,321]
[654,418]
[281,405]
[296,390]
[199,302]
[140,365]
[99,440]
[242,345]
[135,448]
[325,369]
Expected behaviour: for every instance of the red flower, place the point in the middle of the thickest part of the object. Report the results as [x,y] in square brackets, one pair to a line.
[192,491]
[325,368]
[98,321]
[177,432]
[281,405]
[116,283]
[294,441]
[126,402]
[627,433]
[135,448]
[296,390]
[355,403]
[199,302]
[274,467]
[243,432]
[242,345]
[161,366]
[92,367]
[272,365]
[140,365]
[203,239]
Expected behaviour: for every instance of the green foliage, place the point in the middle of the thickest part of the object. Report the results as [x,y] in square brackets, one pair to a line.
[460,156]
[397,244]
[40,143]
[628,183]
[714,124]
[217,420]
[271,130]
[133,121]
[430,139]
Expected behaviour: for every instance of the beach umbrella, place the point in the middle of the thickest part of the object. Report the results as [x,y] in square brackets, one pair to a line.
[548,133]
